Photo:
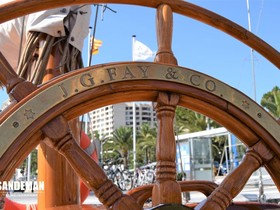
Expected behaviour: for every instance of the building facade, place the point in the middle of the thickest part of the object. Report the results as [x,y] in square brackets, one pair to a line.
[106,119]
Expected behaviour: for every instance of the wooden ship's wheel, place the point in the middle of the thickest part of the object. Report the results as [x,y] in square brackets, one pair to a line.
[42,113]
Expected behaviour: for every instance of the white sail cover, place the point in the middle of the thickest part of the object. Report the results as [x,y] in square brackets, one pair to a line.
[51,22]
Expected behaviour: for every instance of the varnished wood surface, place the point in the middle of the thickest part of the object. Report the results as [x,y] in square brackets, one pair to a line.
[221,98]
[231,186]
[264,148]
[164,28]
[142,193]
[273,168]
[61,180]
[8,77]
[60,138]
[166,189]
[234,206]
[72,107]
[78,207]
[19,8]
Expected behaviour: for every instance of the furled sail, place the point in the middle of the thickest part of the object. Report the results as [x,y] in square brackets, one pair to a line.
[66,27]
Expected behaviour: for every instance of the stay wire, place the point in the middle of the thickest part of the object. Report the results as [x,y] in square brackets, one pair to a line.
[260,16]
[93,35]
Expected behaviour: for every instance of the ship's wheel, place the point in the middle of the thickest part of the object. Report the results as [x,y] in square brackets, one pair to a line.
[42,113]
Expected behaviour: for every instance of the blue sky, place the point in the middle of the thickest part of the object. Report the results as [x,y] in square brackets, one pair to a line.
[196,45]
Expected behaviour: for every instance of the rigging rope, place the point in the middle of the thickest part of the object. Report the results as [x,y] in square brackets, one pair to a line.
[32,64]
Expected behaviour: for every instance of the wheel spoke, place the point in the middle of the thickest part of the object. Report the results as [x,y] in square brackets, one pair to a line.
[17,87]
[93,176]
[184,87]
[166,189]
[233,183]
[164,35]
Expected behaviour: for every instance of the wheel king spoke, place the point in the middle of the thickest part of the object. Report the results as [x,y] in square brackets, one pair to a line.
[164,23]
[166,189]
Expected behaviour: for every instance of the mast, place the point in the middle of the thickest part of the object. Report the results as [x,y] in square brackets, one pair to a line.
[134,115]
[252,53]
[261,188]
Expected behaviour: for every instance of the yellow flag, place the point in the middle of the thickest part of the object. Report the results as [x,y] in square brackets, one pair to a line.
[97,43]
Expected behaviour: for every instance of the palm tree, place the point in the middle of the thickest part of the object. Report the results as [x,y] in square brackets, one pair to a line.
[123,143]
[271,101]
[189,121]
[146,141]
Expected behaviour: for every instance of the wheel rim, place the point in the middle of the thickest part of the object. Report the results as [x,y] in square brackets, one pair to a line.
[196,97]
[227,106]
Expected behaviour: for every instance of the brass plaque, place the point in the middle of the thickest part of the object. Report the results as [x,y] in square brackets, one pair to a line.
[15,124]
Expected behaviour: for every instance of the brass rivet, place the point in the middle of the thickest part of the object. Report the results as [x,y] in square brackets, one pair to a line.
[15,124]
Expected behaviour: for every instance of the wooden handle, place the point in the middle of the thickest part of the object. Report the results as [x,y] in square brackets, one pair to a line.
[164,35]
[16,87]
[8,76]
